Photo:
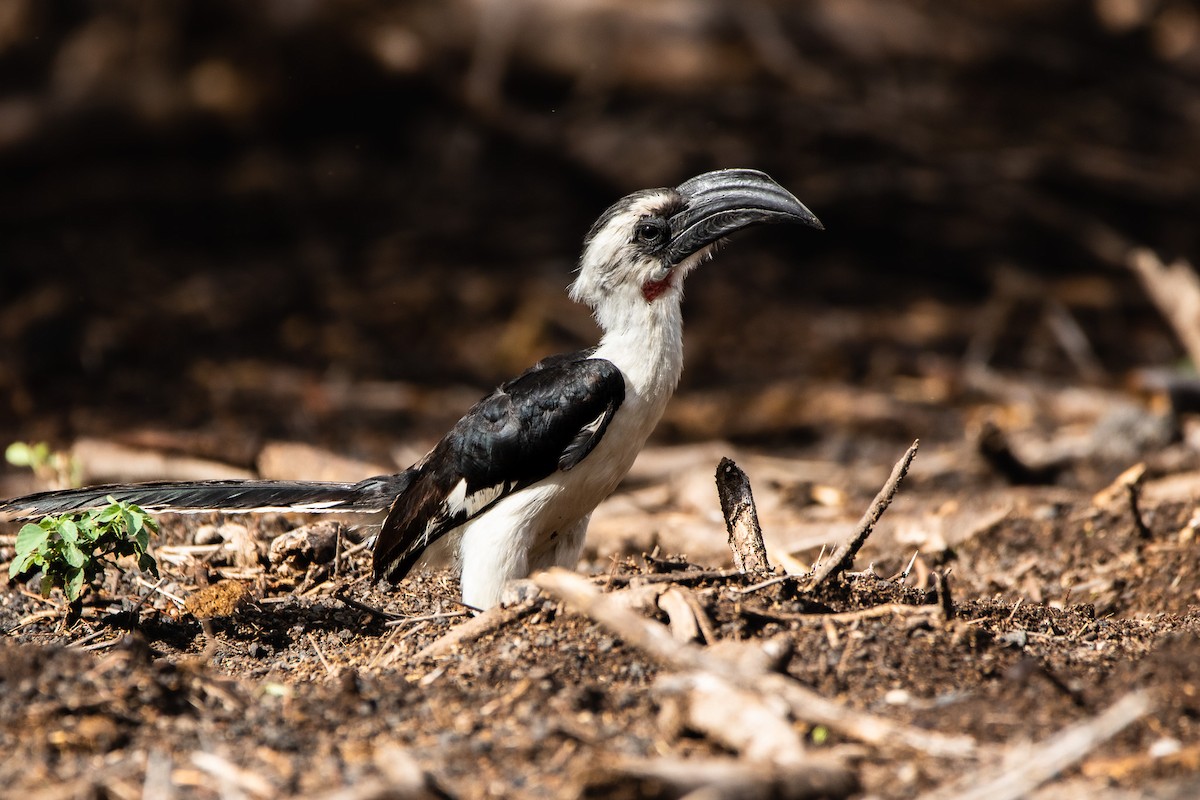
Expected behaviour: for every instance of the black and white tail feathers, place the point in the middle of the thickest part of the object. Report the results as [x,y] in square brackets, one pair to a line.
[228,496]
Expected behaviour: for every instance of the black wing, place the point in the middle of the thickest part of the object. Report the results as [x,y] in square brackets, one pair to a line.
[546,420]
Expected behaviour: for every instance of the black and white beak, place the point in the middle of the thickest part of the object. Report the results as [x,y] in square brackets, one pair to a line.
[725,201]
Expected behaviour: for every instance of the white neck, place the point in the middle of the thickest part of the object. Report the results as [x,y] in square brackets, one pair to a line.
[644,339]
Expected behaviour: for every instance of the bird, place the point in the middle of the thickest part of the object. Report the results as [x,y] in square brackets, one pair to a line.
[510,489]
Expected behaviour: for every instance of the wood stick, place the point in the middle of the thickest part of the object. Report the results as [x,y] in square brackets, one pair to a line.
[490,620]
[741,518]
[1134,489]
[342,595]
[941,582]
[872,612]
[656,641]
[681,618]
[679,576]
[729,779]
[843,558]
[745,722]
[1029,766]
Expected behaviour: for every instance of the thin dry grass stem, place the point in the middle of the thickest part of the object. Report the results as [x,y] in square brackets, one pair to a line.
[329,670]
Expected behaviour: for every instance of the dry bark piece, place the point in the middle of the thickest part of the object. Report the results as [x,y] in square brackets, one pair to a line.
[741,518]
[292,553]
[750,724]
[681,617]
[1119,488]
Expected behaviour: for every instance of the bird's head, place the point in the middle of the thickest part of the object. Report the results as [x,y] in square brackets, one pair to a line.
[642,247]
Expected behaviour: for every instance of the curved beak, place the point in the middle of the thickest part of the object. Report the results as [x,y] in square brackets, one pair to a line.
[725,201]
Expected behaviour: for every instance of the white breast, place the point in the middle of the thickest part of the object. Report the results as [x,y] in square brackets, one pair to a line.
[545,524]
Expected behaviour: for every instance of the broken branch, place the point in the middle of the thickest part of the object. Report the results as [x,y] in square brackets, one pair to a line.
[656,641]
[1029,766]
[492,619]
[843,557]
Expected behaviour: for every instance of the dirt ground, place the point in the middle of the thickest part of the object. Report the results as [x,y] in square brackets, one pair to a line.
[296,240]
[309,681]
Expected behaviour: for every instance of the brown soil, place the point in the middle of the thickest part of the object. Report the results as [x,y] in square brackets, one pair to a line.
[302,690]
[333,223]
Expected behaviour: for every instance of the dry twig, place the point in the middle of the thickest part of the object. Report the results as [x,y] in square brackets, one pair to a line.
[490,620]
[1028,767]
[656,641]
[231,778]
[1139,522]
[941,581]
[726,779]
[342,595]
[843,557]
[329,670]
[888,609]
[682,576]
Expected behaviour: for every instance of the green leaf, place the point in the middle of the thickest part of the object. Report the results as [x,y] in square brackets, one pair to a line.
[20,564]
[73,555]
[142,538]
[73,585]
[30,538]
[21,454]
[146,563]
[67,529]
[88,531]
[47,584]
[18,454]
[133,520]
[109,513]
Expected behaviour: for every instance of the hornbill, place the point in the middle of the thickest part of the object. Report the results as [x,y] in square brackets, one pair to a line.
[510,489]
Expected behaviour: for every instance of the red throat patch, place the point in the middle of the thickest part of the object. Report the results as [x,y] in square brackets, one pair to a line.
[652,290]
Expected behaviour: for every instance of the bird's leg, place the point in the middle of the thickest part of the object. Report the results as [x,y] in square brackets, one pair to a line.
[561,549]
[494,550]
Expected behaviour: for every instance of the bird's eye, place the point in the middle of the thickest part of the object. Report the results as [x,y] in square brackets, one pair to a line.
[651,231]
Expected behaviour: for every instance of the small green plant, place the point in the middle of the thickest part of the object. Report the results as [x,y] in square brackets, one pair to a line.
[56,468]
[74,549]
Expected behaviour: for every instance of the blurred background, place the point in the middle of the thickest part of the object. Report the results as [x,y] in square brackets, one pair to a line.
[340,221]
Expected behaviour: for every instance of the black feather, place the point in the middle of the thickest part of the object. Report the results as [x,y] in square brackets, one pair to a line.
[372,494]
[547,419]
